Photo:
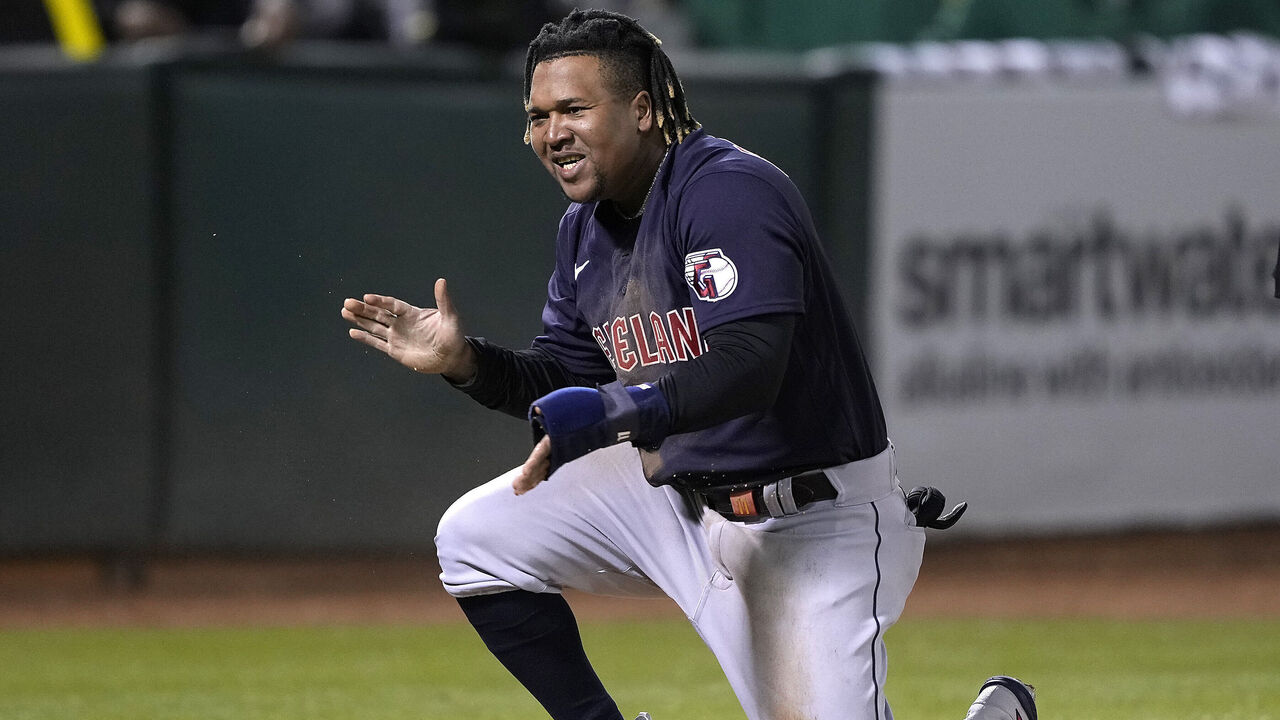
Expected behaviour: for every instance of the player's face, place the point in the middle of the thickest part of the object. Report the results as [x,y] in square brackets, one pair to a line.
[588,137]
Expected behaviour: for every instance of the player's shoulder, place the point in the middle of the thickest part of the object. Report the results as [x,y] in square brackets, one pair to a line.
[712,170]
[707,157]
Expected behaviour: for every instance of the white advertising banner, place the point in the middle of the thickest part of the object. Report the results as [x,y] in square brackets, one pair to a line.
[1073,315]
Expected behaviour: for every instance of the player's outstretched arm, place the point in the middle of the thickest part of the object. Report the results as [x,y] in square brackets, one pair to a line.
[427,340]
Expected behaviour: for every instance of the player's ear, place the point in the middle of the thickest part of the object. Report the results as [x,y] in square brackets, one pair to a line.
[642,111]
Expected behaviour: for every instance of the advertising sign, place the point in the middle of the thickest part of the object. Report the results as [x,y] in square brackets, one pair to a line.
[1073,314]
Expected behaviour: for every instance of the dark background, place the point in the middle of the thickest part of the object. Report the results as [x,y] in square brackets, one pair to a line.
[178,234]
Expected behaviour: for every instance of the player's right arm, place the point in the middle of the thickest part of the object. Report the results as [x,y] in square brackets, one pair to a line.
[426,340]
[431,340]
[509,380]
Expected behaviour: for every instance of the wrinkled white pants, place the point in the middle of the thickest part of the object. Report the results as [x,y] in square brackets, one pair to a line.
[794,609]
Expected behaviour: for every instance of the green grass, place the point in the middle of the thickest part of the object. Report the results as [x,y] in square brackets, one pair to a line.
[1085,670]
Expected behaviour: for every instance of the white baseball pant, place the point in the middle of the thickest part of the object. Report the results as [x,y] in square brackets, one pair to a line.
[794,609]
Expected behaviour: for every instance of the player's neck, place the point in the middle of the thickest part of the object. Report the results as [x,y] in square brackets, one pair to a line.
[633,208]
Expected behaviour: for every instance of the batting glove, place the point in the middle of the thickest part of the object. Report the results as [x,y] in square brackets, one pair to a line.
[579,420]
[927,504]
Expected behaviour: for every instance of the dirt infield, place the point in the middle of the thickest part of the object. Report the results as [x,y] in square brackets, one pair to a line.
[1216,573]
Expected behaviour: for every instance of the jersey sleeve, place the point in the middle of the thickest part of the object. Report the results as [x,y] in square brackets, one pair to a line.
[738,237]
[565,335]
[509,380]
[740,373]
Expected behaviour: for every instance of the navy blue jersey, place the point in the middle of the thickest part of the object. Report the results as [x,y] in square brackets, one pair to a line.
[725,235]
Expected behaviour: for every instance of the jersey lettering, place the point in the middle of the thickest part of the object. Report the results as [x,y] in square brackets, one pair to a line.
[647,355]
[684,333]
[660,338]
[629,343]
[625,358]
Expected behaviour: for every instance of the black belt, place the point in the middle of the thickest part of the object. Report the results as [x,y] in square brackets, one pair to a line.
[780,498]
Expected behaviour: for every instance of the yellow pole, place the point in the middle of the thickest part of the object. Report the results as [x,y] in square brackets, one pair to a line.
[76,26]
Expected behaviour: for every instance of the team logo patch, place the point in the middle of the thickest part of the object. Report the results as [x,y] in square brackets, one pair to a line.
[711,274]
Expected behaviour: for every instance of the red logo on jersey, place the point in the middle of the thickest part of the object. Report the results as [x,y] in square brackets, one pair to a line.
[627,344]
[711,274]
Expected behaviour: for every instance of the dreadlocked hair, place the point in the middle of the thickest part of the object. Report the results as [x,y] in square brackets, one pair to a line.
[631,57]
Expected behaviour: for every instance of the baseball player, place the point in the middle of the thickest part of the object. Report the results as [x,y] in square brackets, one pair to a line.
[706,426]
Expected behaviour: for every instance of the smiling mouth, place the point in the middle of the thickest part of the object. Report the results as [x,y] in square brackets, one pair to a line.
[569,162]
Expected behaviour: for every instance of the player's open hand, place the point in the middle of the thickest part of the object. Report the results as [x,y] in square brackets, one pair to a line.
[535,469]
[428,340]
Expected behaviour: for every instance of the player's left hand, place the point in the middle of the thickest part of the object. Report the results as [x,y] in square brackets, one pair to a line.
[573,421]
[535,469]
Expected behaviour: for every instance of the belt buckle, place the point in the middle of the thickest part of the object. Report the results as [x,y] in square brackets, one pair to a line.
[777,497]
[743,503]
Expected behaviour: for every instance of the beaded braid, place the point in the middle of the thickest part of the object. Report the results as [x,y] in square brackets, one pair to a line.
[633,55]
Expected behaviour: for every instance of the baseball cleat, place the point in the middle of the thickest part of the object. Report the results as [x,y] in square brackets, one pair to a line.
[1004,698]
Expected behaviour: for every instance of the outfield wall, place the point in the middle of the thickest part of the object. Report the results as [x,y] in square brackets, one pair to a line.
[79,372]
[178,234]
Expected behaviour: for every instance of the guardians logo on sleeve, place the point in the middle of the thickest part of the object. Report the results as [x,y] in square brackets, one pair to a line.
[711,274]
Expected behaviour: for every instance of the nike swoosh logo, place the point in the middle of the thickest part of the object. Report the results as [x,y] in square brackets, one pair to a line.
[577,269]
